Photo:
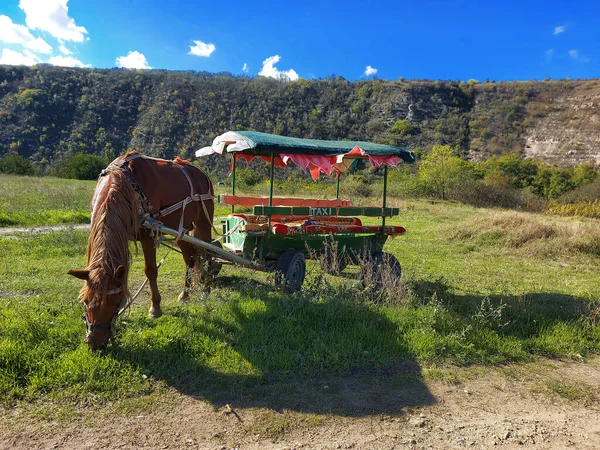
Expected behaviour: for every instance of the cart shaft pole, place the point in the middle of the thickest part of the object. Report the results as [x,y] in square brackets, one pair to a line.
[152,224]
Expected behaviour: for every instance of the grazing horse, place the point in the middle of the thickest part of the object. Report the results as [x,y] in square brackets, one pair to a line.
[174,192]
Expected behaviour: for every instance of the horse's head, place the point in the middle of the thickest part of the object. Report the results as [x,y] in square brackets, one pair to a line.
[102,296]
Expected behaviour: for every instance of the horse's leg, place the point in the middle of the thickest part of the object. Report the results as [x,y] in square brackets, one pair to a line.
[151,272]
[203,230]
[188,253]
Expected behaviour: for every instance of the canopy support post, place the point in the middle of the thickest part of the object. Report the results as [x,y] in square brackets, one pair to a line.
[337,185]
[385,174]
[233,182]
[272,169]
[271,179]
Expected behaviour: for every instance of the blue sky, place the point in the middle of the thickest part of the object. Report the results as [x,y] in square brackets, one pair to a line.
[508,40]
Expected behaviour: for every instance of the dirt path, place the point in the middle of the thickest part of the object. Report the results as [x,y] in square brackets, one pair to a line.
[38,230]
[545,405]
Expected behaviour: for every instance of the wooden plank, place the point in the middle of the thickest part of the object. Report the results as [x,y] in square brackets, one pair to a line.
[229,199]
[325,211]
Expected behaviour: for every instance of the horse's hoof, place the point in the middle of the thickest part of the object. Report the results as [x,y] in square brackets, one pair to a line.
[183,297]
[154,314]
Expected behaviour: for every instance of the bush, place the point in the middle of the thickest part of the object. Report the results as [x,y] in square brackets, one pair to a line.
[493,190]
[585,193]
[82,167]
[356,185]
[403,183]
[402,128]
[247,177]
[16,165]
[580,209]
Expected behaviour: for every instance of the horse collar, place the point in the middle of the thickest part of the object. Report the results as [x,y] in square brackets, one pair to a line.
[123,166]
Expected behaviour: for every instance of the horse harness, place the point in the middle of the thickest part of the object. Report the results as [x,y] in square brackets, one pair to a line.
[146,205]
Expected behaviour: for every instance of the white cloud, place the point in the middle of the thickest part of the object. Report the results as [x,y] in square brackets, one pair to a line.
[12,33]
[18,59]
[370,70]
[574,54]
[201,49]
[64,50]
[52,16]
[269,70]
[245,68]
[560,29]
[550,52]
[67,61]
[133,60]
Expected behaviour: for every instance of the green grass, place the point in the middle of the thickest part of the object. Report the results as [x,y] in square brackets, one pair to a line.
[29,201]
[464,302]
[33,201]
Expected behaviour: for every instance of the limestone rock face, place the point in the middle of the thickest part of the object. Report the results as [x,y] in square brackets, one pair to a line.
[570,134]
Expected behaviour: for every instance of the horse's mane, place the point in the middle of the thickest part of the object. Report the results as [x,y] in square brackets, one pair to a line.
[114,223]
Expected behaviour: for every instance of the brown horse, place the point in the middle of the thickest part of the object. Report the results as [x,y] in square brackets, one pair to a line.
[175,192]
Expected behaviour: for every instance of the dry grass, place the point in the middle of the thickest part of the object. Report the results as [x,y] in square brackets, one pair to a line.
[532,234]
[570,390]
[580,209]
[274,425]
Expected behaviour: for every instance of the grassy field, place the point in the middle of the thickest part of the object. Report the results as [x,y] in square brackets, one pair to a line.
[480,287]
[29,201]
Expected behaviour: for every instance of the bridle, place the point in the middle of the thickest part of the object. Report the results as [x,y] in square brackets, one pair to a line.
[109,324]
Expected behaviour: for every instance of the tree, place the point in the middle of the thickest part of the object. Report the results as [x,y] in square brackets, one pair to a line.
[441,171]
[518,171]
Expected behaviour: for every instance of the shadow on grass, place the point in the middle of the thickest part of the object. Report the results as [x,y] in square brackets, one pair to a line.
[324,352]
[521,316]
[284,353]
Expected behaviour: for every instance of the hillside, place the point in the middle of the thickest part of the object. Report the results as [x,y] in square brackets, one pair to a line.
[47,113]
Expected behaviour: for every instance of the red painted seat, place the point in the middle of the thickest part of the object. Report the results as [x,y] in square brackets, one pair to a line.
[290,225]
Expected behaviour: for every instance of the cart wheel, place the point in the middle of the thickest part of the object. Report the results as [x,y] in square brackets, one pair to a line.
[379,270]
[333,263]
[291,269]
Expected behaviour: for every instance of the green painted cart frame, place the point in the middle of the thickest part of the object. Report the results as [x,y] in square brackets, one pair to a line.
[264,249]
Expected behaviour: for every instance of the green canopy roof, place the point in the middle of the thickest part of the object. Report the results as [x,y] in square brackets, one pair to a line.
[257,143]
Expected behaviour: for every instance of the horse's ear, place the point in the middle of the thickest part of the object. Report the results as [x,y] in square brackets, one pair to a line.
[81,274]
[120,273]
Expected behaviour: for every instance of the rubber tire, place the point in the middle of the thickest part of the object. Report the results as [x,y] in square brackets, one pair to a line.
[291,270]
[372,272]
